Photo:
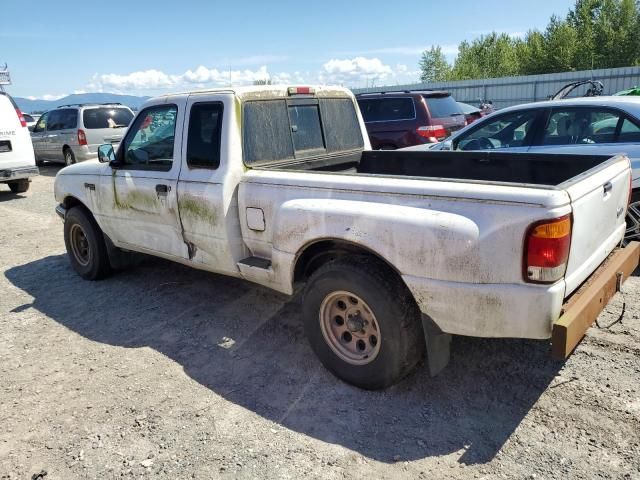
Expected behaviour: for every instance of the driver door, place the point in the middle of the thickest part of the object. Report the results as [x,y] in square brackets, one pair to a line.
[138,202]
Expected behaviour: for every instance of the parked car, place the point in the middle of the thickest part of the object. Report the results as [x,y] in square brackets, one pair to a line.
[401,119]
[73,133]
[471,113]
[17,162]
[396,250]
[586,125]
[30,119]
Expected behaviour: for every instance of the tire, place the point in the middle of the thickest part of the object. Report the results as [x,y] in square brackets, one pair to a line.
[69,157]
[390,314]
[85,245]
[633,218]
[19,186]
[39,162]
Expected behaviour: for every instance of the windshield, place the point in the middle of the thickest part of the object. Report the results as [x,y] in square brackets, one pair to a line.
[112,117]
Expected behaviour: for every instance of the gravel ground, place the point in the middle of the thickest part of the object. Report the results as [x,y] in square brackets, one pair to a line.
[173,373]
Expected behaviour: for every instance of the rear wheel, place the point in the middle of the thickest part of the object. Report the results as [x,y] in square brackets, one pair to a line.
[633,219]
[69,157]
[85,245]
[19,186]
[362,322]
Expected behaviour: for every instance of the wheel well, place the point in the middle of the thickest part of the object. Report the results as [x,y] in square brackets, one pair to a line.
[317,254]
[70,202]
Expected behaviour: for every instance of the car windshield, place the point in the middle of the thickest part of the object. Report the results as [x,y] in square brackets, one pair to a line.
[111,117]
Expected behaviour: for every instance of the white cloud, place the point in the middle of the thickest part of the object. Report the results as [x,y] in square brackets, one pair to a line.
[157,80]
[408,50]
[48,96]
[355,70]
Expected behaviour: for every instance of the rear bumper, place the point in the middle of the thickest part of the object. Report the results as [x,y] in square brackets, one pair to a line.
[585,304]
[18,173]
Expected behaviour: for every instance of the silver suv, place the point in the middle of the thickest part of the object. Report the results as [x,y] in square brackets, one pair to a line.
[73,133]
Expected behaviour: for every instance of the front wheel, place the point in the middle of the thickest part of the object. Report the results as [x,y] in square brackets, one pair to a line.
[633,219]
[85,245]
[362,322]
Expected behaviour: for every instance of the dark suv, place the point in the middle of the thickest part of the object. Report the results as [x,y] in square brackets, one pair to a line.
[402,119]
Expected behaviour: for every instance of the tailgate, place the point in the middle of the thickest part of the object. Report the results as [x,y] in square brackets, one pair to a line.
[599,200]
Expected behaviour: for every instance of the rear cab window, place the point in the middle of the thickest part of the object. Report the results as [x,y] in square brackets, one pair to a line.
[106,117]
[288,129]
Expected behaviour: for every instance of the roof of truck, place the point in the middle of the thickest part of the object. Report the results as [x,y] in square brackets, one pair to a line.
[257,91]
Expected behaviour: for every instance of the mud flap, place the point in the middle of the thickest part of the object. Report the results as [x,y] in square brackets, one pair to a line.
[118,258]
[438,345]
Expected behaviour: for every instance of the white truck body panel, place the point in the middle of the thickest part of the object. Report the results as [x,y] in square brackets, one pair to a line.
[457,245]
[17,160]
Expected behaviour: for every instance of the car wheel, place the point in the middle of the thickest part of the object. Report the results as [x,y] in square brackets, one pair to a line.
[69,157]
[362,322]
[19,186]
[633,219]
[39,162]
[85,245]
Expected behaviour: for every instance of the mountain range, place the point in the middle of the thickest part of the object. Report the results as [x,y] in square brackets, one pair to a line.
[38,106]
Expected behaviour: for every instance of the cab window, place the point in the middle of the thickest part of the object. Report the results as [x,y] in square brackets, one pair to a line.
[505,131]
[203,141]
[150,140]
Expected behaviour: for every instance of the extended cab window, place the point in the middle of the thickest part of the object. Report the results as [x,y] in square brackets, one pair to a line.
[203,142]
[276,130]
[149,142]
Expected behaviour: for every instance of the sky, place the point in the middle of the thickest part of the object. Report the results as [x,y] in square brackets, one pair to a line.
[55,48]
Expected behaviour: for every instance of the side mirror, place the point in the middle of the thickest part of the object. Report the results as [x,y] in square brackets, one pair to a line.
[106,153]
[518,135]
[447,145]
[31,128]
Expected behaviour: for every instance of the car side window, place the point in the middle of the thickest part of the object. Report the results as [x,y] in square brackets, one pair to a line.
[629,132]
[41,126]
[581,126]
[203,140]
[505,131]
[55,121]
[387,109]
[149,142]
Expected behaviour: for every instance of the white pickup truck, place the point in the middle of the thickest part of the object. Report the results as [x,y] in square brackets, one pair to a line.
[397,251]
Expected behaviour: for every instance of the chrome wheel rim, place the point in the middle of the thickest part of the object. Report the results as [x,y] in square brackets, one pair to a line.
[633,223]
[80,245]
[350,328]
[68,159]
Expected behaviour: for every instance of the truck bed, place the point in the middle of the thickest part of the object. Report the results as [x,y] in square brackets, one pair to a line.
[500,167]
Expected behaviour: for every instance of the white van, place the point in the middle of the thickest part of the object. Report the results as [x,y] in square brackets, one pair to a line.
[17,161]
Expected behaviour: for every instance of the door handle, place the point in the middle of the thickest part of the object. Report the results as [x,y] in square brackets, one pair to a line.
[162,189]
[607,187]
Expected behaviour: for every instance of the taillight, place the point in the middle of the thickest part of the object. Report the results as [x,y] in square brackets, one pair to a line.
[23,122]
[82,138]
[547,247]
[434,133]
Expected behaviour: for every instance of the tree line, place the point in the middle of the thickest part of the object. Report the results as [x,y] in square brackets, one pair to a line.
[594,34]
